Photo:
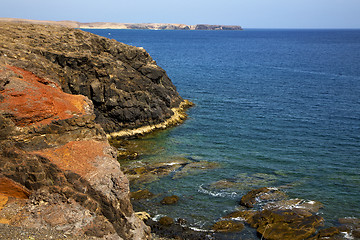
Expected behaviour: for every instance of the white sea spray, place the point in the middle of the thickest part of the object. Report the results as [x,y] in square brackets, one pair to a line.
[201,189]
[347,235]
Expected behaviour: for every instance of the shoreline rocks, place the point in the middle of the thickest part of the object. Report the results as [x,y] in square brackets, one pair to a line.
[61,91]
[276,217]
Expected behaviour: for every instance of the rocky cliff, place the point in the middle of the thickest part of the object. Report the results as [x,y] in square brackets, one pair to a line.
[124,83]
[111,25]
[61,90]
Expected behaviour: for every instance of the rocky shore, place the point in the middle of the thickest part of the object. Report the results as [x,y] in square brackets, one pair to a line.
[67,101]
[62,92]
[262,213]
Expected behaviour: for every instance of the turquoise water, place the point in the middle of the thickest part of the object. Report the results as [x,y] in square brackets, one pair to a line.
[273,107]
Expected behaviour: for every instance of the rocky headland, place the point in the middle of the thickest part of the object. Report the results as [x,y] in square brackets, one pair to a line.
[111,25]
[65,95]
[63,92]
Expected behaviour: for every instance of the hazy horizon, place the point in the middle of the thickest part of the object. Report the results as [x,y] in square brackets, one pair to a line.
[246,13]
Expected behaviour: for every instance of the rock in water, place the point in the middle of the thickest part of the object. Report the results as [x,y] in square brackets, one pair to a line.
[57,169]
[228,226]
[170,200]
[124,83]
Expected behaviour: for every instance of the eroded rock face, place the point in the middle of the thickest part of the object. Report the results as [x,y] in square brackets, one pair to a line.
[57,169]
[124,83]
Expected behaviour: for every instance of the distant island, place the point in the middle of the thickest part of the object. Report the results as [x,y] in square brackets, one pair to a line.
[109,25]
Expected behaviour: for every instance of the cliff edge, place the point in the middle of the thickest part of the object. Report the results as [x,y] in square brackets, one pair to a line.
[62,92]
[128,89]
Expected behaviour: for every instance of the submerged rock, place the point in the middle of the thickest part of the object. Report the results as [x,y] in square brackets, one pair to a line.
[141,173]
[170,200]
[195,168]
[228,226]
[141,194]
[311,206]
[244,181]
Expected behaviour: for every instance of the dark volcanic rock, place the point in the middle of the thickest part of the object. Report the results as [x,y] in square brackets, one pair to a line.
[126,86]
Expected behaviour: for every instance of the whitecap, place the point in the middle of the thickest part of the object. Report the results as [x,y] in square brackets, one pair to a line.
[172,163]
[347,235]
[217,194]
[200,230]
[157,217]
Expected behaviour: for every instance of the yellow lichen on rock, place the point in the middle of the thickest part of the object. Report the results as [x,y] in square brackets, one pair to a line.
[178,117]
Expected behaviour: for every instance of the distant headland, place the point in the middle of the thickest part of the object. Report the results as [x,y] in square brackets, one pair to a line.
[110,25]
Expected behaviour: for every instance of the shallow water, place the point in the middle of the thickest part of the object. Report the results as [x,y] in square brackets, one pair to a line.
[277,108]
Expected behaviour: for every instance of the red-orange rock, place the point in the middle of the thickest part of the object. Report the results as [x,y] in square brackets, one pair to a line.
[11,188]
[50,145]
[32,100]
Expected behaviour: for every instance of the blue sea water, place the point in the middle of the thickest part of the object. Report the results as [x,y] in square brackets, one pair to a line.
[273,107]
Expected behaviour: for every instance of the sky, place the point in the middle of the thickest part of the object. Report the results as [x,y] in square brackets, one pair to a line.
[246,13]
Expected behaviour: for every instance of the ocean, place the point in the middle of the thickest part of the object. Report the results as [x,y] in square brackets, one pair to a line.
[275,108]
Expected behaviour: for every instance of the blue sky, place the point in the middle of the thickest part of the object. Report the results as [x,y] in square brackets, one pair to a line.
[247,13]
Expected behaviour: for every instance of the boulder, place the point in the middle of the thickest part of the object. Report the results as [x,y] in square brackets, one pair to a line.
[166,221]
[141,194]
[261,194]
[285,224]
[228,226]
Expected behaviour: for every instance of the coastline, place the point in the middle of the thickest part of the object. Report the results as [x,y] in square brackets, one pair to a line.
[113,25]
[178,117]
